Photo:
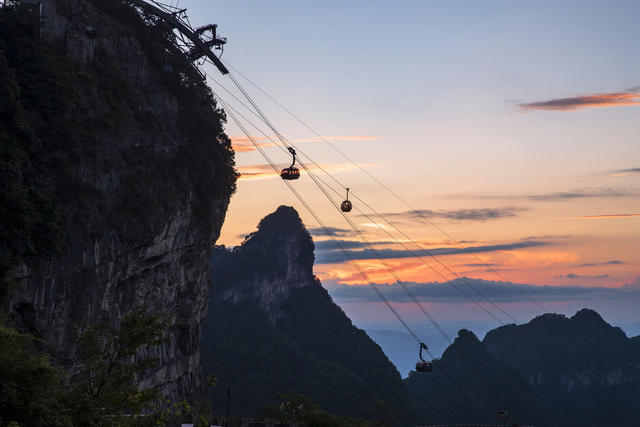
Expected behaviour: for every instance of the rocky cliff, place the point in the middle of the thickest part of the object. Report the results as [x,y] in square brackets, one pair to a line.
[116,179]
[554,370]
[581,367]
[272,328]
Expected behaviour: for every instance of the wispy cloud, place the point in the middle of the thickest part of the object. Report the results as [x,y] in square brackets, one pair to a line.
[595,264]
[582,194]
[609,216]
[559,196]
[626,172]
[331,255]
[611,99]
[458,214]
[262,171]
[242,144]
[336,231]
[582,276]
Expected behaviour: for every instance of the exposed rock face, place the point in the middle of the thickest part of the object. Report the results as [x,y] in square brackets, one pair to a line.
[145,195]
[568,354]
[272,328]
[582,368]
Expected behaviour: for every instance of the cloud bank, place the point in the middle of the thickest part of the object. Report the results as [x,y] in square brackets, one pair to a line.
[477,214]
[328,253]
[495,290]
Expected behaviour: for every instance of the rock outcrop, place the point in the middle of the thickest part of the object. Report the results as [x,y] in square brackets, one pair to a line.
[137,170]
[272,328]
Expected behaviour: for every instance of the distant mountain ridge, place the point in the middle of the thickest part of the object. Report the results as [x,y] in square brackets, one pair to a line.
[582,368]
[554,370]
[272,328]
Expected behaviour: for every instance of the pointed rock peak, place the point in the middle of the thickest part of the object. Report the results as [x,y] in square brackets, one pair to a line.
[282,239]
[465,335]
[466,344]
[285,220]
[283,224]
[548,318]
[587,314]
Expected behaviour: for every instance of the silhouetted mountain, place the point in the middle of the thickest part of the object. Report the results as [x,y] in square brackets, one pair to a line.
[469,385]
[272,328]
[585,370]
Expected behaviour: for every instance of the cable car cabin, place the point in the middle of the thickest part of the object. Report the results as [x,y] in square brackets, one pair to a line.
[290,173]
[346,204]
[423,366]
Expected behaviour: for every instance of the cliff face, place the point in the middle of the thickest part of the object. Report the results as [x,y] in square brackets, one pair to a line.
[575,365]
[272,328]
[554,370]
[127,172]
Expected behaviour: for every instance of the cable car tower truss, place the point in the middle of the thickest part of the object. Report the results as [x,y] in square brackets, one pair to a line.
[196,43]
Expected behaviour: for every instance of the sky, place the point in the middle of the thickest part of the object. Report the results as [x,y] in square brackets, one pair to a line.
[512,126]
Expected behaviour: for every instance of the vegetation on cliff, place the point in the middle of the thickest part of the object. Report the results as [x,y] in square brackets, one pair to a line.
[105,392]
[63,176]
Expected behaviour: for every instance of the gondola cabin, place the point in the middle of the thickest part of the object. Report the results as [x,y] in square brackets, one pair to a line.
[290,173]
[346,205]
[423,366]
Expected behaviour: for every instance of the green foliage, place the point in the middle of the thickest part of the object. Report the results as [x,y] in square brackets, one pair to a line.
[106,391]
[29,221]
[298,410]
[30,385]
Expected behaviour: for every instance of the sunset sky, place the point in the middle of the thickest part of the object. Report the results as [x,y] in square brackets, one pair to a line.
[514,126]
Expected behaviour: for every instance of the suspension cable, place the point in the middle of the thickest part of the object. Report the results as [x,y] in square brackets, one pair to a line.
[348,220]
[287,143]
[329,234]
[398,241]
[389,190]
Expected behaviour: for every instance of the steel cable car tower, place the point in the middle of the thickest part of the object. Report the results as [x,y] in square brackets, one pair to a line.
[196,43]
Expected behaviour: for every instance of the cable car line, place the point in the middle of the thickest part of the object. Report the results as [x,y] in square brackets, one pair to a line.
[312,212]
[414,254]
[389,190]
[420,365]
[353,226]
[367,244]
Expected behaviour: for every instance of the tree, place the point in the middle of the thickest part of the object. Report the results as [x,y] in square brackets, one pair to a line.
[106,391]
[30,385]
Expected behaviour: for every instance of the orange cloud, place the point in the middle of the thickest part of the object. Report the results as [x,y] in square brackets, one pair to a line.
[612,99]
[262,171]
[242,144]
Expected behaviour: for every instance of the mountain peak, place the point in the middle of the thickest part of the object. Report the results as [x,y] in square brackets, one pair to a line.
[283,219]
[282,240]
[587,314]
